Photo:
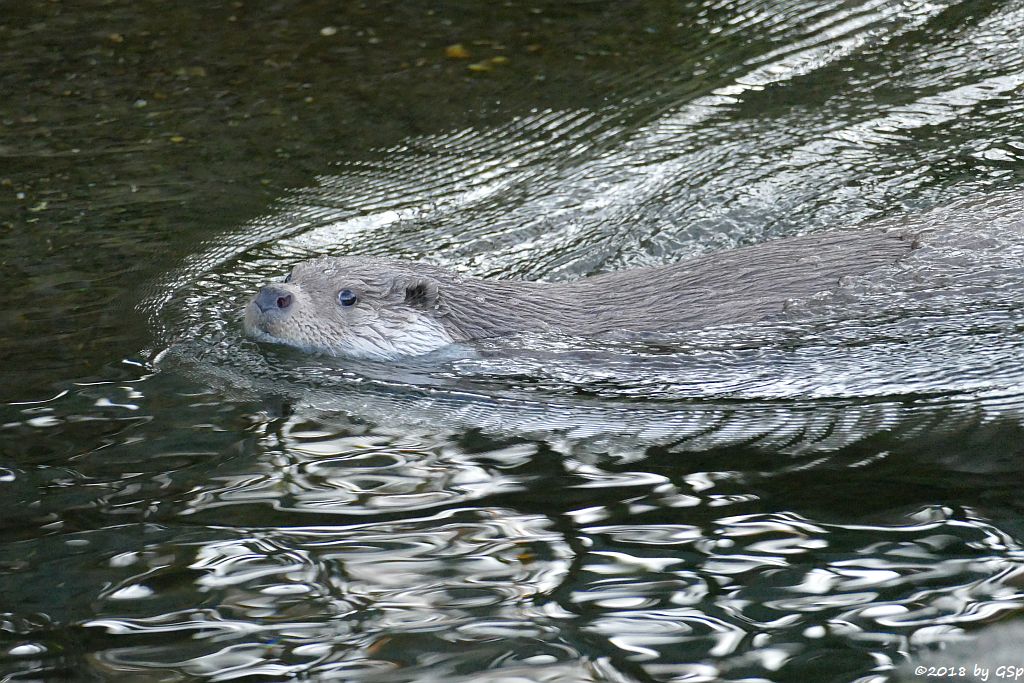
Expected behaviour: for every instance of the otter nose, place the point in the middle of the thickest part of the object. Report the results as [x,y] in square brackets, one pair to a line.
[270,297]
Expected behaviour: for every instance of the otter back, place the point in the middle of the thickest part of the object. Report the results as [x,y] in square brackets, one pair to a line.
[739,285]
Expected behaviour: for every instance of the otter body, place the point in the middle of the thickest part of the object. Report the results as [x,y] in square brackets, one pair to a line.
[378,308]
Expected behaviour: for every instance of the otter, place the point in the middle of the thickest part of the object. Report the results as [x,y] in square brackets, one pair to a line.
[380,308]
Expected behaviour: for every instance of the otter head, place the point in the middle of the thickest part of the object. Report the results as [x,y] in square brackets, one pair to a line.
[360,307]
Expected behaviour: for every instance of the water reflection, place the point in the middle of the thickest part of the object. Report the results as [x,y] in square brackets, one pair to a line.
[646,564]
[709,590]
[761,590]
[308,469]
[364,598]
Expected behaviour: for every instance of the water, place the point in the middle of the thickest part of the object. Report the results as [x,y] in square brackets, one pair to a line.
[822,497]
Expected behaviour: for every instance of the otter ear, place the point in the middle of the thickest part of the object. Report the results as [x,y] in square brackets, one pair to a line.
[420,292]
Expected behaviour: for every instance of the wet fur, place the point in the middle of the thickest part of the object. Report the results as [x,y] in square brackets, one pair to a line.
[409,308]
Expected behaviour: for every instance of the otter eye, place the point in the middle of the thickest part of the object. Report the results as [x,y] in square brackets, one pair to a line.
[347,297]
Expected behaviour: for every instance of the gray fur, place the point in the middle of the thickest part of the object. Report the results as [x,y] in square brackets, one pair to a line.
[409,308]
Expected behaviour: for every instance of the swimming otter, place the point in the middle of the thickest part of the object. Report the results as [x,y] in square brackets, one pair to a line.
[377,308]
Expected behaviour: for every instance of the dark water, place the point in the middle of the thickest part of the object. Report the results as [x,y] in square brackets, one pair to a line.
[821,498]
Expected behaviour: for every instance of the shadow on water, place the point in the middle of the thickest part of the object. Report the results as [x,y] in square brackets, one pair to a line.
[815,497]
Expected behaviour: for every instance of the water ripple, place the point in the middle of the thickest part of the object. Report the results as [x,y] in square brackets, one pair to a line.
[736,503]
[311,599]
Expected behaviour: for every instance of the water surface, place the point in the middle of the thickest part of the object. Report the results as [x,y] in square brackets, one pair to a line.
[815,498]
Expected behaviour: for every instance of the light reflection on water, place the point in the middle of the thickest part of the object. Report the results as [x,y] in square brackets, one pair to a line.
[377,598]
[368,596]
[807,499]
[656,563]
